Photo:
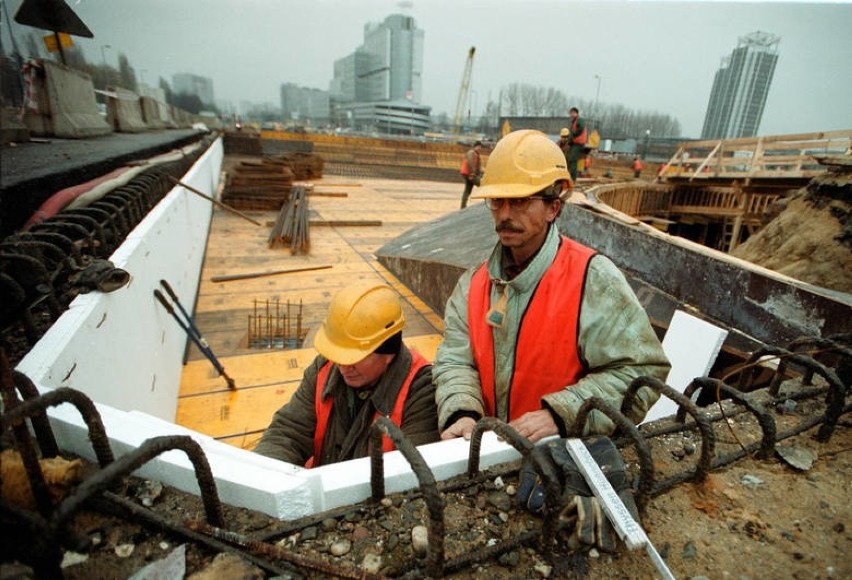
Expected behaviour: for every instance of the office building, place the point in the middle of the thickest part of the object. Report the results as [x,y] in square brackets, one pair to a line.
[379,86]
[740,88]
[190,84]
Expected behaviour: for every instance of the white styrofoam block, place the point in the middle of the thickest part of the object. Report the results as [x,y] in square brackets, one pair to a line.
[692,345]
[121,348]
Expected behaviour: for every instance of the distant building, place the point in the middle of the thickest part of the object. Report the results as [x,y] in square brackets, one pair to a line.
[191,84]
[305,105]
[740,88]
[379,86]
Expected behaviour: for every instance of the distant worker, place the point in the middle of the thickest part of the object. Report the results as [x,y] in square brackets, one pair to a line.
[637,167]
[578,137]
[471,171]
[363,370]
[587,165]
[564,141]
[545,322]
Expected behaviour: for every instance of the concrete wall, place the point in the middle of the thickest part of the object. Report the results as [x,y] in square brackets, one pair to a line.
[124,111]
[66,104]
[151,113]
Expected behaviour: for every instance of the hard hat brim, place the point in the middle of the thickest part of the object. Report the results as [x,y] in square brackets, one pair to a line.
[504,190]
[338,354]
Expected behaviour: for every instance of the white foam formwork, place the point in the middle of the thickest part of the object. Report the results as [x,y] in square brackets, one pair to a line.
[692,345]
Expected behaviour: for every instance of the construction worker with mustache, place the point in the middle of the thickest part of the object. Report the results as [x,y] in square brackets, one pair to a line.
[545,322]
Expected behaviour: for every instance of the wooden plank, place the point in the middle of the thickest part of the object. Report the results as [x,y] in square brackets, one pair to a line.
[224,414]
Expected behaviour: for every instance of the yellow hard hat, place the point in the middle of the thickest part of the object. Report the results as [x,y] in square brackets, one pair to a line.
[564,132]
[360,318]
[523,163]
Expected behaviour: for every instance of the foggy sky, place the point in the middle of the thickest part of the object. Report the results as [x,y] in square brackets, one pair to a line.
[650,56]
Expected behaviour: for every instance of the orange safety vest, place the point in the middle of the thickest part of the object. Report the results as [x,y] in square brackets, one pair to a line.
[323,406]
[546,355]
[582,137]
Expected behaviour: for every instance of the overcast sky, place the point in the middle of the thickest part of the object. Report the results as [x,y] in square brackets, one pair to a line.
[650,56]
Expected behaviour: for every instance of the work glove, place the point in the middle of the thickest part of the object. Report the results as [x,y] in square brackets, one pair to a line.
[100,275]
[591,526]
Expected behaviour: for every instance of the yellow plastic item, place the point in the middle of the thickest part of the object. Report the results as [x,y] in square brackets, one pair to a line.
[523,163]
[564,132]
[360,318]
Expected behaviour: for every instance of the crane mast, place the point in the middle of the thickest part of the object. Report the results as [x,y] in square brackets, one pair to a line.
[464,91]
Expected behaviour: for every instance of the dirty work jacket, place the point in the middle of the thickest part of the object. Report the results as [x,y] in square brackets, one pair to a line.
[546,355]
[290,435]
[615,342]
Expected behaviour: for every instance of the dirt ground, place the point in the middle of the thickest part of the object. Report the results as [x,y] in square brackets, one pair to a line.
[810,237]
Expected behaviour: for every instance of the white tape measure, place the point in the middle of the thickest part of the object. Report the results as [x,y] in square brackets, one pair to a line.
[628,529]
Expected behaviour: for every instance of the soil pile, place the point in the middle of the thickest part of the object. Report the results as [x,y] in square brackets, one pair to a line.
[810,238]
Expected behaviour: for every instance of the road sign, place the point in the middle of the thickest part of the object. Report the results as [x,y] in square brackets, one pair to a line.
[64,41]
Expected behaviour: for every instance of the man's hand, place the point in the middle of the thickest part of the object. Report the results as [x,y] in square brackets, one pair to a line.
[591,526]
[535,425]
[461,428]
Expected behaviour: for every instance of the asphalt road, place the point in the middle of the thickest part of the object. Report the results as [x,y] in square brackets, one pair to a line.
[31,172]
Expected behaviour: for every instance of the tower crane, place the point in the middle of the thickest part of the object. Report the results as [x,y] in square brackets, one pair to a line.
[463,91]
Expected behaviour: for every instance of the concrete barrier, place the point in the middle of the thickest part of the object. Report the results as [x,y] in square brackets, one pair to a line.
[124,111]
[151,113]
[164,112]
[61,102]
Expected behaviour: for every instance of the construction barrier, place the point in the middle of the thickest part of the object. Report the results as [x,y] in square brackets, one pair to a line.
[164,113]
[124,111]
[151,113]
[60,102]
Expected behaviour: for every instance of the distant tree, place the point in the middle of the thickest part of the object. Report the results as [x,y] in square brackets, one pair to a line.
[614,121]
[75,58]
[126,73]
[33,45]
[167,90]
[189,103]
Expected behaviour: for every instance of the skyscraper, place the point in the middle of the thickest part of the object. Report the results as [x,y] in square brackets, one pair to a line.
[740,88]
[379,85]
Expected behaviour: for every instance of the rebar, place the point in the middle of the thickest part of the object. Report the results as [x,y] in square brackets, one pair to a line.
[434,503]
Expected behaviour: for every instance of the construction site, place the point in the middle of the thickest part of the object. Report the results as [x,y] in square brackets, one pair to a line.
[293,218]
[165,278]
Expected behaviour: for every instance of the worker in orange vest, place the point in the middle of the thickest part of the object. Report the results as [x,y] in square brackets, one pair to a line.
[363,370]
[637,167]
[577,137]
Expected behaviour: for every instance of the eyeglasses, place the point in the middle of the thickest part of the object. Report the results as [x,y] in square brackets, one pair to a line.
[515,203]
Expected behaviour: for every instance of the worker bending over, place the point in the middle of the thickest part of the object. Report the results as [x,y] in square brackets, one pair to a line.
[363,370]
[545,322]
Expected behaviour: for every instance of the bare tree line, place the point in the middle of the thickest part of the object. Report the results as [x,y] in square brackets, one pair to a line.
[613,120]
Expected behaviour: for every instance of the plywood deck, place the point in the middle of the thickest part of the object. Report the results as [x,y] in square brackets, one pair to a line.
[266,378]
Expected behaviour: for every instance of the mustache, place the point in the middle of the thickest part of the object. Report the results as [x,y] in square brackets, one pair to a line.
[507,226]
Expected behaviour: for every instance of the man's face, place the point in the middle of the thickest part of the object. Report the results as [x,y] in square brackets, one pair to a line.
[574,114]
[523,227]
[367,371]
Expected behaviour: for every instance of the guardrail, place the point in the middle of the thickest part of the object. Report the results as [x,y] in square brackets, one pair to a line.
[779,156]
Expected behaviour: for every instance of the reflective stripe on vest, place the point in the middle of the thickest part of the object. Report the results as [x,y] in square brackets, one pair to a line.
[546,356]
[323,406]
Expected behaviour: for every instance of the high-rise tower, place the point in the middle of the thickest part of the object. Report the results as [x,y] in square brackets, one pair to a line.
[740,88]
[379,86]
